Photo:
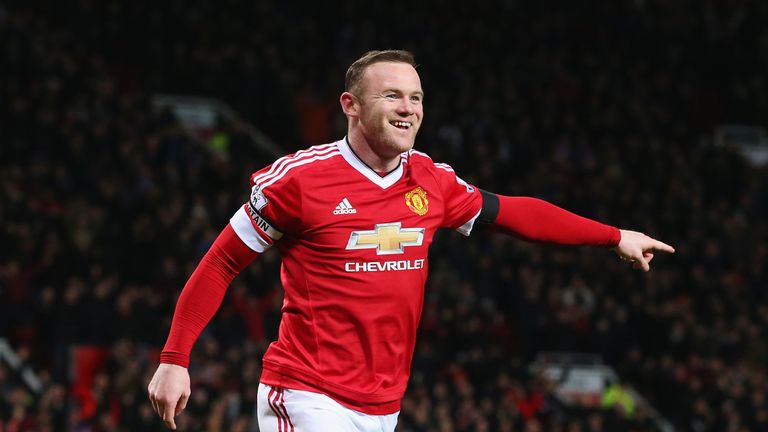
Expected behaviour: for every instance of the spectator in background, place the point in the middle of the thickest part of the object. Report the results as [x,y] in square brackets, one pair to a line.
[618,396]
[79,138]
[328,367]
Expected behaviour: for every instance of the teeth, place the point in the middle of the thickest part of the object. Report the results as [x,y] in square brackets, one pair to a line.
[402,124]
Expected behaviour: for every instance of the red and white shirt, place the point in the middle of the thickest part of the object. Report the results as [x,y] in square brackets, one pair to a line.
[354,263]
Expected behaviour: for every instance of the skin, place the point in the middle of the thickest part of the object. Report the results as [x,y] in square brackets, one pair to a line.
[169,392]
[388,92]
[392,91]
[638,249]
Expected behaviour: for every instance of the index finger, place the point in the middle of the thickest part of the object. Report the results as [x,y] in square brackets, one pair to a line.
[168,412]
[660,246]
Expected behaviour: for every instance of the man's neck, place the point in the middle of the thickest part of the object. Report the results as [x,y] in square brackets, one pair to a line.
[382,165]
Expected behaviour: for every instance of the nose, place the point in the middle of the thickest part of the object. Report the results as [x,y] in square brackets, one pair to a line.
[405,107]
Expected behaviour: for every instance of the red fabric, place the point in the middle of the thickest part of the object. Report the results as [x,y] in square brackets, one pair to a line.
[354,262]
[203,293]
[529,405]
[88,361]
[537,220]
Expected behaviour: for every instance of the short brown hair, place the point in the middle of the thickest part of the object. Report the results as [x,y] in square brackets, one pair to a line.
[356,69]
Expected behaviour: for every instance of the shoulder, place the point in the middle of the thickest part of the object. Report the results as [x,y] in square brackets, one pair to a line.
[441,172]
[420,159]
[415,156]
[296,164]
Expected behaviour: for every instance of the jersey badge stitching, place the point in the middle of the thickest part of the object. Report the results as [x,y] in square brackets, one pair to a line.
[416,200]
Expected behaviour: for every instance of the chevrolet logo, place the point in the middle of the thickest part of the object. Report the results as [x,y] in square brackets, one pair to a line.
[387,238]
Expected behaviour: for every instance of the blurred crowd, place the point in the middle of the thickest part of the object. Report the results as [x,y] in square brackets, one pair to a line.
[604,108]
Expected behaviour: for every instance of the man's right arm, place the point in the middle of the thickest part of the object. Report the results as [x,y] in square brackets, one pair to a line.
[203,294]
[197,304]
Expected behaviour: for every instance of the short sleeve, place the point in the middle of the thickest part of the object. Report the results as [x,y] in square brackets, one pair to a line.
[463,201]
[272,211]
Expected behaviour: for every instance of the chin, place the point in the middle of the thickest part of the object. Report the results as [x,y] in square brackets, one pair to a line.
[403,143]
[403,146]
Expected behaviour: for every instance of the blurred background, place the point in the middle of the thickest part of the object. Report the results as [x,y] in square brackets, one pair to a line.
[128,131]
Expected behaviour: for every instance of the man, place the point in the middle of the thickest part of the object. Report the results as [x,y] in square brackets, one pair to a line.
[353,221]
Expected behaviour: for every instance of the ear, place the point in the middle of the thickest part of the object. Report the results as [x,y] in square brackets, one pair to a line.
[349,104]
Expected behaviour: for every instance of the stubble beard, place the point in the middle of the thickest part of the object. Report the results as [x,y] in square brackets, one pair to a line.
[394,146]
[389,145]
[400,144]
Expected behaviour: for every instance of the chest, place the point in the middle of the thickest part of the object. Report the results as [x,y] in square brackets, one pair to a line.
[362,218]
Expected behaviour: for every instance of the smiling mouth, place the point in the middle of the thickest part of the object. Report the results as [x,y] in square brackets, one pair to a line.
[400,124]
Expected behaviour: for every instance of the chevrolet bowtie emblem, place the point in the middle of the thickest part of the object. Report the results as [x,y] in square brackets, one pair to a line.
[386,238]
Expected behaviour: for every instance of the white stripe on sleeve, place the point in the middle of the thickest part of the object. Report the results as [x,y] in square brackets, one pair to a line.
[241,223]
[466,229]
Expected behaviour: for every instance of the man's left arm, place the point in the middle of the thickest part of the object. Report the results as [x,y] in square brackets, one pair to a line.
[538,220]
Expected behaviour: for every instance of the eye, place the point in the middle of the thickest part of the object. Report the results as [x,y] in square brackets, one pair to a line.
[416,99]
[390,96]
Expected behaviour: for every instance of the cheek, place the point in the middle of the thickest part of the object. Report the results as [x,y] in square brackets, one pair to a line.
[373,120]
[374,116]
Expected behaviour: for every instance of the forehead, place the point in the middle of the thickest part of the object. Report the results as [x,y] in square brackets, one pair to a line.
[391,75]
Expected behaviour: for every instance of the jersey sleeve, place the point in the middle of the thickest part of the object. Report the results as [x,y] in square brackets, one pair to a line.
[272,211]
[463,201]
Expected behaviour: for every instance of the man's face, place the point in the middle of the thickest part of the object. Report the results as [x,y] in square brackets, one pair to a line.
[391,107]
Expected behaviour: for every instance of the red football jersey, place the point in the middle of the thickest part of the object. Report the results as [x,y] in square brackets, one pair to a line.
[354,263]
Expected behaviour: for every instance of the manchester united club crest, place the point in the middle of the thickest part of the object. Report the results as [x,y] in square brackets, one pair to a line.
[416,200]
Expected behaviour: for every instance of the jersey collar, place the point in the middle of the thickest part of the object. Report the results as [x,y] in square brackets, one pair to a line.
[383,182]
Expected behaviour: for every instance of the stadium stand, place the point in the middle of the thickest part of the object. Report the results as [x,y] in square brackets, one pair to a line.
[606,108]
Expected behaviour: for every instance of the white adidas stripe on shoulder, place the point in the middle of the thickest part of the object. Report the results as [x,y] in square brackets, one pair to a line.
[278,164]
[443,166]
[297,163]
[278,172]
[412,151]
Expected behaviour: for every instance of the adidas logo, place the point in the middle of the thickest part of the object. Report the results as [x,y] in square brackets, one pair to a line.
[344,207]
